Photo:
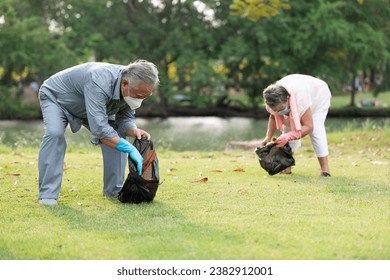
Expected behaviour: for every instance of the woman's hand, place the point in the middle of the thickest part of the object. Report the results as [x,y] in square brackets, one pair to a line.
[265,141]
[284,138]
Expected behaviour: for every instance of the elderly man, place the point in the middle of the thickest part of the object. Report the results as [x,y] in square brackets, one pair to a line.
[102,97]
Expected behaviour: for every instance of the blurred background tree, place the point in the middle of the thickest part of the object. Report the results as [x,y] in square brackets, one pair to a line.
[210,53]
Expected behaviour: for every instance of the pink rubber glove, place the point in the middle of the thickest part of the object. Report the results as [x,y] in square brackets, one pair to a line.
[284,138]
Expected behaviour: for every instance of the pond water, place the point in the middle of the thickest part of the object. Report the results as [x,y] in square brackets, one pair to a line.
[177,133]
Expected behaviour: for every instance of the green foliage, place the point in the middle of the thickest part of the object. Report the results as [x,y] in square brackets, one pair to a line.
[325,43]
[28,44]
[11,106]
[240,213]
[257,42]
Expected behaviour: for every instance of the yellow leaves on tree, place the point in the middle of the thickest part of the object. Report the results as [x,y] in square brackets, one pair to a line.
[256,9]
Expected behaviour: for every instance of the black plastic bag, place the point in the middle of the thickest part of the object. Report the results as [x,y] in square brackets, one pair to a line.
[274,159]
[137,189]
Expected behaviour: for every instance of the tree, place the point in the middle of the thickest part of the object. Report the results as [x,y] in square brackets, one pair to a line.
[329,39]
[243,50]
[334,45]
[202,48]
[173,35]
[28,49]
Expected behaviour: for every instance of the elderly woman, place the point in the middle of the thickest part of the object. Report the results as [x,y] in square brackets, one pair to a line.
[298,105]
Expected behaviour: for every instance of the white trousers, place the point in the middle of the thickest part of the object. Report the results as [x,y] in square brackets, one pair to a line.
[318,136]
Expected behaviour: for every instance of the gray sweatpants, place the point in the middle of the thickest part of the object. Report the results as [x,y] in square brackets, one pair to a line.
[52,153]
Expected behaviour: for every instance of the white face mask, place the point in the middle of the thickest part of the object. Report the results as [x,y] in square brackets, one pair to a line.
[134,103]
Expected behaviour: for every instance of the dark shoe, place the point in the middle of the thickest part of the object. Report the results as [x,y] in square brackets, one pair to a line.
[325,174]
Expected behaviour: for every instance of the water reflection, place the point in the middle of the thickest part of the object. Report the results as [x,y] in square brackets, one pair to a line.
[201,133]
[176,133]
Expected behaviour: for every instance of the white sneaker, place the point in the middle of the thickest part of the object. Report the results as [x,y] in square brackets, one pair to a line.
[47,201]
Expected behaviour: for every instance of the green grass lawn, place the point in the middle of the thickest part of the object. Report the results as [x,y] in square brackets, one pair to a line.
[343,100]
[239,213]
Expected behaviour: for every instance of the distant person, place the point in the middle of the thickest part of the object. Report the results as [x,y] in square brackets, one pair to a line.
[34,86]
[366,84]
[102,97]
[298,105]
[358,84]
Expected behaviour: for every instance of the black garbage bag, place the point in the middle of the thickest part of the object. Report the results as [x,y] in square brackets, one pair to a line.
[274,159]
[137,189]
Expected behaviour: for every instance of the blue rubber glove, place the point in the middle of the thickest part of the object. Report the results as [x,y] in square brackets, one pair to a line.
[126,147]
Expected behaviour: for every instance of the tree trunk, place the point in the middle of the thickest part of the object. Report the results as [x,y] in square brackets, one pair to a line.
[162,92]
[353,90]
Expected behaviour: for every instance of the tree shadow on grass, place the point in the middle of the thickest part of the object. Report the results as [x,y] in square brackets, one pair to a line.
[335,184]
[147,231]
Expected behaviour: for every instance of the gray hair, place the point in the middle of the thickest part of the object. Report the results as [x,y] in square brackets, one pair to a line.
[140,71]
[274,95]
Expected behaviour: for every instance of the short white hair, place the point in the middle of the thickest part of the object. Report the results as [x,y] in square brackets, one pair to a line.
[140,71]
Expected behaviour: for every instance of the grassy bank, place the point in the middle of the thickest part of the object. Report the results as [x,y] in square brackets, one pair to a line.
[239,213]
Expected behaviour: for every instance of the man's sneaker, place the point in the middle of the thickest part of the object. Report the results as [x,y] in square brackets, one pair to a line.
[47,201]
[325,174]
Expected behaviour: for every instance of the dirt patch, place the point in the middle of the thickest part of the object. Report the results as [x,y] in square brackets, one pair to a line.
[242,145]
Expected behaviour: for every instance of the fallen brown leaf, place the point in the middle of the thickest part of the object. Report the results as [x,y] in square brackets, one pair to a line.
[239,170]
[216,170]
[203,180]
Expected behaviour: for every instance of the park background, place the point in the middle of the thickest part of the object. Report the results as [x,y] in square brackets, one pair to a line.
[214,58]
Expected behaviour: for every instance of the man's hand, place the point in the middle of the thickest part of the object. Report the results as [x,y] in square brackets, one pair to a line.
[138,133]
